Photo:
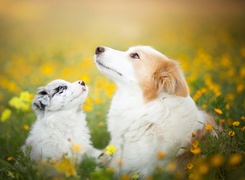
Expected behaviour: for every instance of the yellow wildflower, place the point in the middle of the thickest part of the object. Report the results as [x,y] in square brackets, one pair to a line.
[203,168]
[160,154]
[22,102]
[6,115]
[208,127]
[236,123]
[125,177]
[9,158]
[217,160]
[193,134]
[76,148]
[110,169]
[235,159]
[195,143]
[243,118]
[218,111]
[171,167]
[195,150]
[135,175]
[26,127]
[189,166]
[222,121]
[231,133]
[110,149]
[243,128]
[67,167]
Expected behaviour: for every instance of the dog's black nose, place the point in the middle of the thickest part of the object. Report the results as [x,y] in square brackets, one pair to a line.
[82,83]
[99,50]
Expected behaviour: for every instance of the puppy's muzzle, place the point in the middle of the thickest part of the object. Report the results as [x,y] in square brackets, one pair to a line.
[99,50]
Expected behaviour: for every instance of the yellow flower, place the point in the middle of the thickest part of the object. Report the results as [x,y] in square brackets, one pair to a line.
[243,128]
[110,169]
[76,148]
[67,167]
[235,159]
[193,134]
[218,111]
[217,160]
[23,102]
[236,123]
[195,150]
[6,115]
[110,149]
[243,118]
[208,127]
[189,166]
[160,154]
[9,158]
[231,133]
[135,176]
[195,143]
[222,121]
[26,127]
[203,168]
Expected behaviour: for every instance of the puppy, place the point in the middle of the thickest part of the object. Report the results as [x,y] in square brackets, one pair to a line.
[60,129]
[151,111]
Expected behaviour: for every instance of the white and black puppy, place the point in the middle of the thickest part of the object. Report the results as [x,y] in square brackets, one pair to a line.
[61,128]
[151,111]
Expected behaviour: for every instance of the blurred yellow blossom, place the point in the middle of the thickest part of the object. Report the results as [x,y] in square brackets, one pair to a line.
[76,147]
[195,150]
[10,158]
[236,123]
[160,154]
[231,133]
[189,166]
[203,168]
[110,149]
[217,160]
[208,127]
[135,175]
[243,128]
[235,159]
[23,102]
[218,111]
[110,169]
[243,118]
[67,167]
[26,127]
[6,115]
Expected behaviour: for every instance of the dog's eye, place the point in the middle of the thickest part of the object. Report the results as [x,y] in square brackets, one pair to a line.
[61,89]
[134,56]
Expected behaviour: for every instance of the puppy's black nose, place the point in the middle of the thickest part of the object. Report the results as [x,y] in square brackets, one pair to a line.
[99,50]
[82,83]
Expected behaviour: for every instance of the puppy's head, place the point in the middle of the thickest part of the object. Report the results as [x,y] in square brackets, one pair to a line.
[144,67]
[60,95]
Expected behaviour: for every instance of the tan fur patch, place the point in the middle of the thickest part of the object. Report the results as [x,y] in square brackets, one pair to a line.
[158,74]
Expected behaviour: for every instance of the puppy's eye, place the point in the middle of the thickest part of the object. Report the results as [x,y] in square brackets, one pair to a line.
[61,89]
[134,56]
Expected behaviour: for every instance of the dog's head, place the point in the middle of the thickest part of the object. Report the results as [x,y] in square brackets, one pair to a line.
[144,67]
[60,95]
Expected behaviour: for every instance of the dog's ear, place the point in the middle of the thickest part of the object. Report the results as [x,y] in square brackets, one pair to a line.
[41,101]
[169,78]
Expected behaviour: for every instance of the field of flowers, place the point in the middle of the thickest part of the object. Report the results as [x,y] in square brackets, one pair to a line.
[45,40]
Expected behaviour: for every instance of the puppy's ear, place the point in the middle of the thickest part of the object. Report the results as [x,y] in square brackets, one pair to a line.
[41,101]
[169,78]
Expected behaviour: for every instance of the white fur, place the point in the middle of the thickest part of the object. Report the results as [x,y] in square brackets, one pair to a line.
[140,129]
[60,123]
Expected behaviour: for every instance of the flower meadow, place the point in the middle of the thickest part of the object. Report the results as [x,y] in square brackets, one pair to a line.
[41,41]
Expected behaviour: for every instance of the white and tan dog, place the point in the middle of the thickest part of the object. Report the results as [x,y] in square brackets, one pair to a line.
[60,129]
[151,111]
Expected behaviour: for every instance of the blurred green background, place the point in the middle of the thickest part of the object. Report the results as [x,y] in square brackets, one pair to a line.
[43,40]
